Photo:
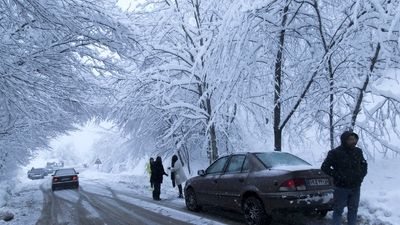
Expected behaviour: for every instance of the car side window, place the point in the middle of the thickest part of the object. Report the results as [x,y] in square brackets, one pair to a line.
[217,166]
[245,167]
[235,164]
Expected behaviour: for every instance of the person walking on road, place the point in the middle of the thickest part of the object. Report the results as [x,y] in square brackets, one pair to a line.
[348,168]
[178,175]
[158,173]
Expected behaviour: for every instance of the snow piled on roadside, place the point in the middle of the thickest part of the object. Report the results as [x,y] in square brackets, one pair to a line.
[380,193]
[128,182]
[25,201]
[3,193]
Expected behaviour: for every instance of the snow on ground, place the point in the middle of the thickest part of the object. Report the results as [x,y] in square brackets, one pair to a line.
[5,186]
[138,185]
[379,195]
[25,202]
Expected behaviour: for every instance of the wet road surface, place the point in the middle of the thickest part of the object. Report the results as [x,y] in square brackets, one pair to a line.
[97,204]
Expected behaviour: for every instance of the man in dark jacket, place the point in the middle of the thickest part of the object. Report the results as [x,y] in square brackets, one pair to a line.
[348,168]
[157,174]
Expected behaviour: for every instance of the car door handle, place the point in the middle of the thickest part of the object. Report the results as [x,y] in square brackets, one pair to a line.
[241,180]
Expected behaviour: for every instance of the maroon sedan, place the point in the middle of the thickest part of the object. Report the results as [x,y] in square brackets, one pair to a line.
[261,184]
[65,178]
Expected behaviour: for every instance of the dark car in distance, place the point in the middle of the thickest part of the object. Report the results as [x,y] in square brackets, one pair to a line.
[65,178]
[37,173]
[261,184]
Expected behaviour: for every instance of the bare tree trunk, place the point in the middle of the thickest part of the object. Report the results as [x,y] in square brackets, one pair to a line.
[331,76]
[213,143]
[331,109]
[212,134]
[357,108]
[278,83]
[186,157]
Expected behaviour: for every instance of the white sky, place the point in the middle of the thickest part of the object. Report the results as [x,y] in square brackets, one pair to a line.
[76,146]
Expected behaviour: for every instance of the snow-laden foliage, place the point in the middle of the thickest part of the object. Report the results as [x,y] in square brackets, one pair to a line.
[200,77]
[52,56]
[214,71]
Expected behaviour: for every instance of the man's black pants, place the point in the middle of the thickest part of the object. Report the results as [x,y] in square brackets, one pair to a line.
[156,191]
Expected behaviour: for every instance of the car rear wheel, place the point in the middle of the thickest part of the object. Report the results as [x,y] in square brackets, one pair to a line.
[191,200]
[254,212]
[322,213]
[317,214]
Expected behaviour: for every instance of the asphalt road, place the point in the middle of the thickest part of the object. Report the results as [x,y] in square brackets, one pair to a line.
[73,207]
[90,206]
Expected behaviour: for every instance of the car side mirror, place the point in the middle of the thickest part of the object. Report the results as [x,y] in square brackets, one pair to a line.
[201,173]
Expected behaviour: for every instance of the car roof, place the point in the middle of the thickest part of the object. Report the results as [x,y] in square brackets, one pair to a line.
[244,153]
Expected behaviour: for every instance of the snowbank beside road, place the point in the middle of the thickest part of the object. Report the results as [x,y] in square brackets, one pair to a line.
[25,202]
[380,193]
[3,193]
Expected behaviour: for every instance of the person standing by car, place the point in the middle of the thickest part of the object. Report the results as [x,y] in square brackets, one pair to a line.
[348,168]
[178,175]
[158,173]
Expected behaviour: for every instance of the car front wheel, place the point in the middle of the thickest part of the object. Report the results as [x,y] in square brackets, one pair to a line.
[191,200]
[254,212]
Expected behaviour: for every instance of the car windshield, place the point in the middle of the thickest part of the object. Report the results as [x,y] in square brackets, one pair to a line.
[63,172]
[278,159]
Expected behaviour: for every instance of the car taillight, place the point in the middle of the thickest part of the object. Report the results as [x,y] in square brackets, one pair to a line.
[55,179]
[75,178]
[293,185]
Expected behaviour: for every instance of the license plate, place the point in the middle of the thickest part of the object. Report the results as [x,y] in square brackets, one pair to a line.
[65,179]
[317,182]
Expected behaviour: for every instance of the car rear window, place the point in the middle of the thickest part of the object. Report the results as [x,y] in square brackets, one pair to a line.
[65,172]
[275,159]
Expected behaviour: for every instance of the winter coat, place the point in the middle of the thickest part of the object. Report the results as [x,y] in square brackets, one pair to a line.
[346,165]
[150,171]
[148,168]
[179,173]
[157,172]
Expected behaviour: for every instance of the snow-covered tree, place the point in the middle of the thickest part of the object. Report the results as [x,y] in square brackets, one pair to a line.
[51,53]
[283,67]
